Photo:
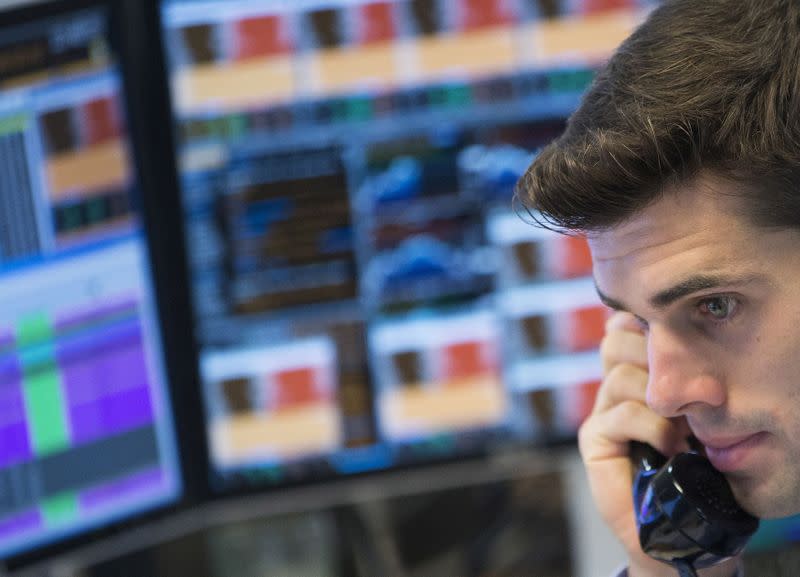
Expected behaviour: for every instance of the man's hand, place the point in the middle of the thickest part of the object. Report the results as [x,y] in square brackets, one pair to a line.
[620,414]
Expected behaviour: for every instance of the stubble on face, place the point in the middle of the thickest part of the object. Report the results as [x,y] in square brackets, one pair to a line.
[775,493]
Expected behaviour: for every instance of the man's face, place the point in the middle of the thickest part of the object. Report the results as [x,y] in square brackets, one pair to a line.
[719,300]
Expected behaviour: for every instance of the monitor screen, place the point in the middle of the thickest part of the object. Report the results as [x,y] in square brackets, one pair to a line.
[366,294]
[85,421]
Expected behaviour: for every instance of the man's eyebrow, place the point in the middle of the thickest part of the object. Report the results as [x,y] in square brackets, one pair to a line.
[695,284]
[665,298]
[608,301]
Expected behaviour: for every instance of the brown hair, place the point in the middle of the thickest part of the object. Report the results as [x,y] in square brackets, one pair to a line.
[711,85]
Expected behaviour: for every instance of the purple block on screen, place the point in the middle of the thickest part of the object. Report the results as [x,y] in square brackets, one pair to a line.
[92,386]
[127,410]
[147,482]
[82,381]
[87,423]
[124,368]
[15,446]
[105,374]
[14,440]
[20,523]
[12,403]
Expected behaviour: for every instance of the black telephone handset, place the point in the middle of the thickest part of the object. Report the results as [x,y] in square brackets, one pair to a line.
[685,510]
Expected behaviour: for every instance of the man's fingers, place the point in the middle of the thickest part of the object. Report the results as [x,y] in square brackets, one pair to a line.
[623,321]
[620,347]
[605,435]
[625,382]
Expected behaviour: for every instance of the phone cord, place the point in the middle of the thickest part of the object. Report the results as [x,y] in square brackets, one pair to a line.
[685,569]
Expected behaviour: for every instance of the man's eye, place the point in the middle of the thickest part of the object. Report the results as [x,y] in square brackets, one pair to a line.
[718,308]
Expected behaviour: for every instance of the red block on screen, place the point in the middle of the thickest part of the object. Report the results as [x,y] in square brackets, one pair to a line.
[591,6]
[574,257]
[102,120]
[295,387]
[259,37]
[484,13]
[375,23]
[463,360]
[585,328]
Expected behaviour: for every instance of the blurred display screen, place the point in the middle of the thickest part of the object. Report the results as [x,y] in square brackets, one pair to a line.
[85,425]
[366,294]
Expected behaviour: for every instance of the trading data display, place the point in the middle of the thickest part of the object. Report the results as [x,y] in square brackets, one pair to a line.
[85,424]
[366,293]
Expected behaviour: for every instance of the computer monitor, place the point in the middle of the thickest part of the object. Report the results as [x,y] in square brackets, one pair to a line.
[86,428]
[365,294]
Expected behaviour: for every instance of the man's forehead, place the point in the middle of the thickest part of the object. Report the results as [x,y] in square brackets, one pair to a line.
[695,213]
[648,237]
[650,258]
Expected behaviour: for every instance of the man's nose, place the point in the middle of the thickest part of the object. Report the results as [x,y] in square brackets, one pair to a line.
[681,375]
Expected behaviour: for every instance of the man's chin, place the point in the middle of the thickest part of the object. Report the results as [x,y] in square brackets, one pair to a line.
[766,498]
